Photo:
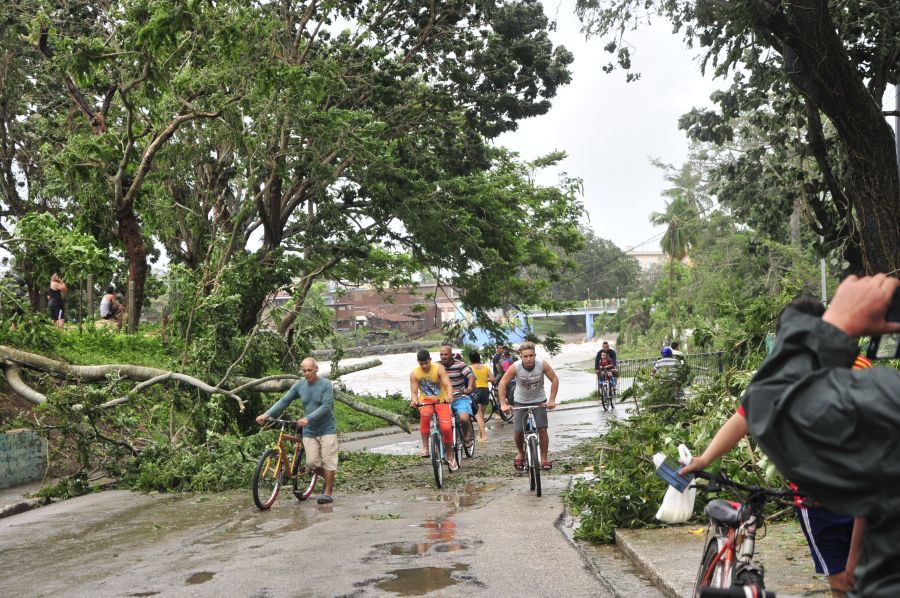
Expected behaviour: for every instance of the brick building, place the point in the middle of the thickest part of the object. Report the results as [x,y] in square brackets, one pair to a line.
[407,309]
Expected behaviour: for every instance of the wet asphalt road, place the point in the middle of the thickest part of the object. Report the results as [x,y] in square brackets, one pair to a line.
[491,538]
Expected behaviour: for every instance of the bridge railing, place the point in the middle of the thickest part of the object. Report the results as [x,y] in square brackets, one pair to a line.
[704,366]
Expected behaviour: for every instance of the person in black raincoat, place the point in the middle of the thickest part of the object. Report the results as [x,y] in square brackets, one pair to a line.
[836,431]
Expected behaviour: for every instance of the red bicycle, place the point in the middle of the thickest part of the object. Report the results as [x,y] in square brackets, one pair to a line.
[731,536]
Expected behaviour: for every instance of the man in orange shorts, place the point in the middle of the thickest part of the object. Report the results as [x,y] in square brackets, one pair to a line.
[430,385]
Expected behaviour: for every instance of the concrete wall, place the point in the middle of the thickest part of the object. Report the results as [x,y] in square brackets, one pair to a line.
[23,457]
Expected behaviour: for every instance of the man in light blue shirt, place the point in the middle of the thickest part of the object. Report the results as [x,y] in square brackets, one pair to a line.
[319,425]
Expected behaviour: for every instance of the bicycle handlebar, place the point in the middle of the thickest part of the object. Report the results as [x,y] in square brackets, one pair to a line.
[720,479]
[281,423]
[517,408]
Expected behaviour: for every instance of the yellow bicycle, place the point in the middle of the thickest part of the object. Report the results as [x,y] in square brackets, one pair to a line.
[280,463]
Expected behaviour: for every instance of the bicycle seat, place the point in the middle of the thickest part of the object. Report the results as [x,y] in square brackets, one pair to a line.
[725,512]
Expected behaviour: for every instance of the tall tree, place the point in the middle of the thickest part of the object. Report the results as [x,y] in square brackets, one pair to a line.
[802,60]
[600,269]
[135,72]
[680,220]
[349,138]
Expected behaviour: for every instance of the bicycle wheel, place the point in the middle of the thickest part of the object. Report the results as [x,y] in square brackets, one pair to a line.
[303,480]
[712,573]
[469,445]
[267,479]
[436,464]
[493,404]
[457,440]
[535,465]
[751,577]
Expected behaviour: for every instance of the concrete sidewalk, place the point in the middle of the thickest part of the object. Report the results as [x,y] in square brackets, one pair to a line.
[670,557]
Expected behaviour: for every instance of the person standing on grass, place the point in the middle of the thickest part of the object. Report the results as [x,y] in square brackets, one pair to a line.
[318,421]
[56,300]
[482,395]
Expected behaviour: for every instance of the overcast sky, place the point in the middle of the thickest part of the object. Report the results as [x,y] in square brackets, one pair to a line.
[611,129]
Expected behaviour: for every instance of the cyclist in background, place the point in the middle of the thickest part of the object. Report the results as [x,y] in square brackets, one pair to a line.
[429,385]
[482,395]
[607,367]
[463,381]
[612,355]
[529,373]
[506,360]
[667,363]
[495,360]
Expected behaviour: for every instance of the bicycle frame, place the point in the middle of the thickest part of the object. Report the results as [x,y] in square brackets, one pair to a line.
[532,442]
[733,526]
[436,444]
[285,463]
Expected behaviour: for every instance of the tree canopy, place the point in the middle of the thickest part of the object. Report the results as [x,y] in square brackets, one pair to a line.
[267,145]
[806,82]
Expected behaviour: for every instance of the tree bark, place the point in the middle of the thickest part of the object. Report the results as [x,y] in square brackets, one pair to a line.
[818,65]
[136,252]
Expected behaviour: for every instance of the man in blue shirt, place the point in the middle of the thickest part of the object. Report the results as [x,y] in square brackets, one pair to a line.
[319,425]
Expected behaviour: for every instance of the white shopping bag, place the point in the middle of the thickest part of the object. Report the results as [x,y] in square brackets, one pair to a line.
[677,507]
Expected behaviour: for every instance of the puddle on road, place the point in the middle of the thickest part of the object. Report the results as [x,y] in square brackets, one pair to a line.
[420,581]
[468,496]
[440,529]
[408,548]
[258,525]
[198,578]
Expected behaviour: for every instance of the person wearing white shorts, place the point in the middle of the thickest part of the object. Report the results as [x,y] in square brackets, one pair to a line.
[319,425]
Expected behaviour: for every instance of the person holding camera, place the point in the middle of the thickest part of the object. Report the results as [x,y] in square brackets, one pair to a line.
[832,429]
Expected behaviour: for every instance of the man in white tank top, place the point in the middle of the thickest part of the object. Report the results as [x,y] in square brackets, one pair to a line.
[529,373]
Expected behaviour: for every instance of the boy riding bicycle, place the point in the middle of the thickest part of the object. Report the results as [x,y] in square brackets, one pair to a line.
[529,375]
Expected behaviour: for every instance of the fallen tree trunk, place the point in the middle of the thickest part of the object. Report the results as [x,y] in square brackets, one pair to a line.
[395,419]
[147,376]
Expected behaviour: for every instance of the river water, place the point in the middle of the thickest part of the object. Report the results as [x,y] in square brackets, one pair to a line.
[574,366]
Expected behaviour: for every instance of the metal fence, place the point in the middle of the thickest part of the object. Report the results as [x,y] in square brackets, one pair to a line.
[704,367]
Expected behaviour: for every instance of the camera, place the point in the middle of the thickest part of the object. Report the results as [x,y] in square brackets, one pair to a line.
[893,310]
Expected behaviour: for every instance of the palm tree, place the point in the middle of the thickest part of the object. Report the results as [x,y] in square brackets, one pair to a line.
[679,219]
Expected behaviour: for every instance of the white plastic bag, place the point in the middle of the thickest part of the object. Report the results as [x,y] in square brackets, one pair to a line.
[677,507]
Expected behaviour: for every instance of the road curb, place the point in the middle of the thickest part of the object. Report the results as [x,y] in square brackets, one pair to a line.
[22,506]
[565,523]
[661,582]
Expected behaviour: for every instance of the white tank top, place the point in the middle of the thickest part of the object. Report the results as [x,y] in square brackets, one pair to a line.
[530,384]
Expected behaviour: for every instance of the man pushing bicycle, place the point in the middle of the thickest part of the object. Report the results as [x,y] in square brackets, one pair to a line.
[318,422]
[528,374]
